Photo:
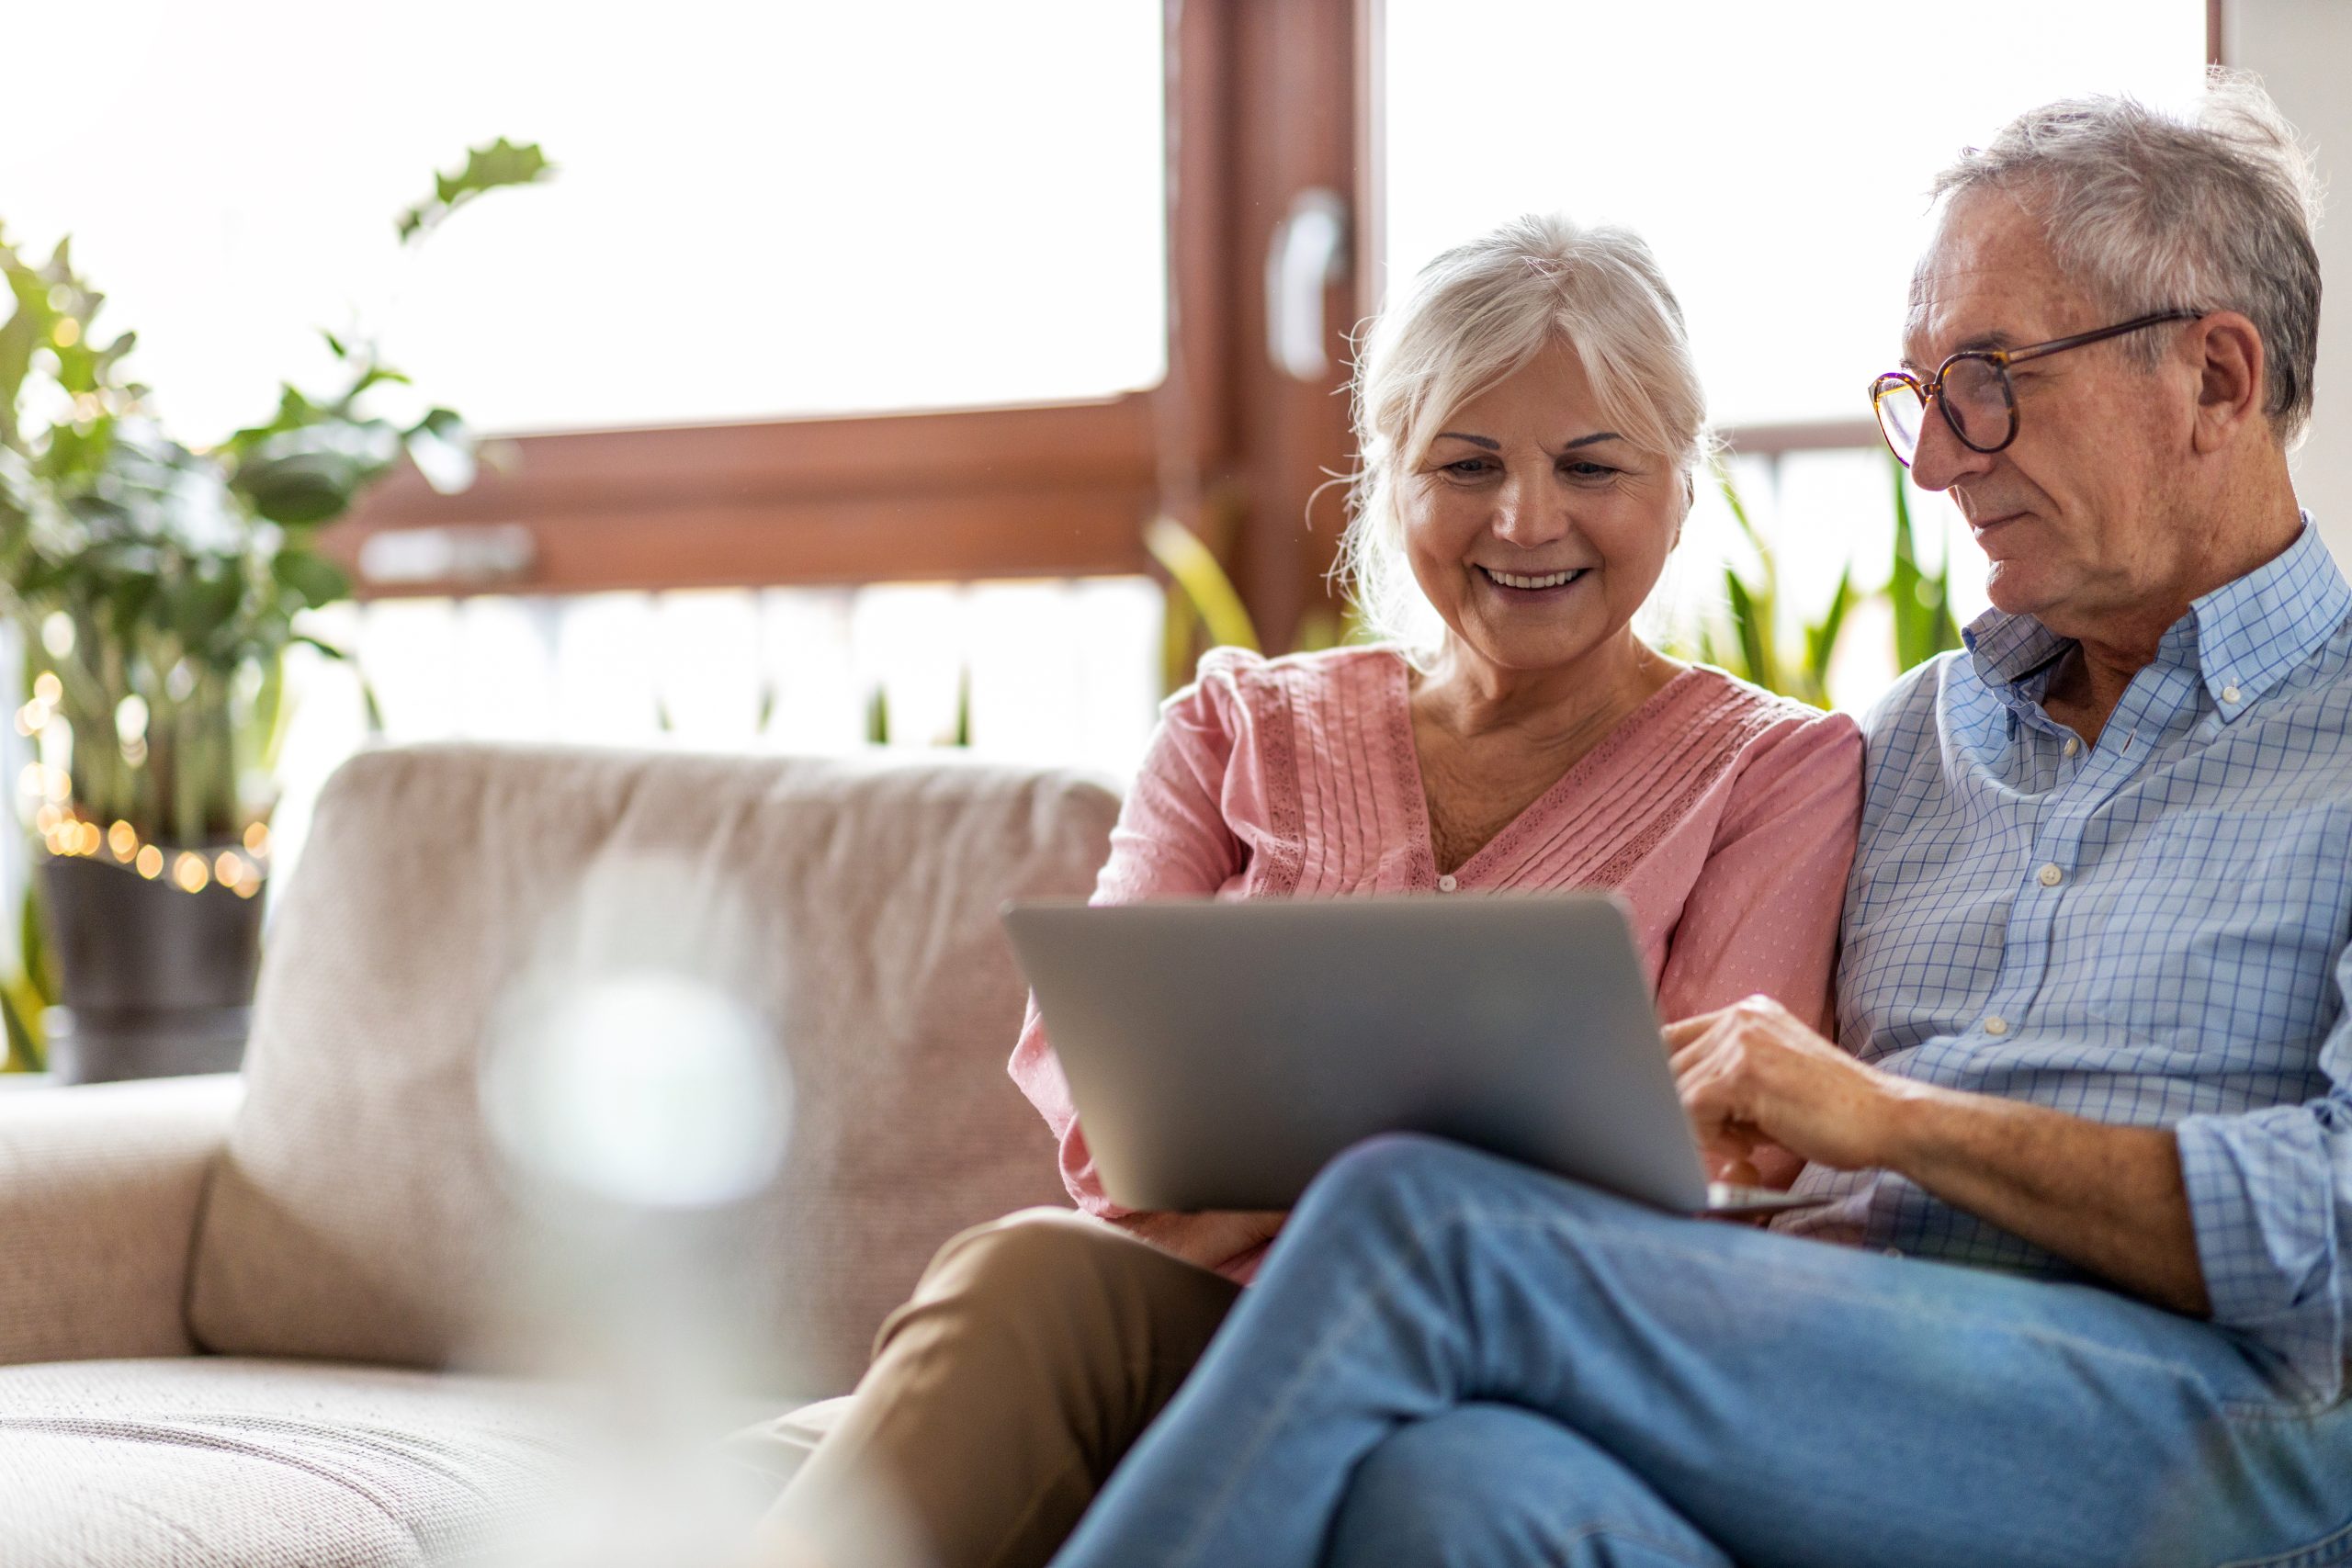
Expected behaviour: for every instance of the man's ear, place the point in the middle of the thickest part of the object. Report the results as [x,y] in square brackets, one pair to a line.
[2231,377]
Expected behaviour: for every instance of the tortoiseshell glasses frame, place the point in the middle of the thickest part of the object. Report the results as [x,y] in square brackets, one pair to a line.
[1973,390]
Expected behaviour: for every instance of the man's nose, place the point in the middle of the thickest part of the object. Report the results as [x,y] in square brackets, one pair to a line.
[1943,459]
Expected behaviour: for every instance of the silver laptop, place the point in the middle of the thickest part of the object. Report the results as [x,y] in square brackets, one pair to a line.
[1221,1052]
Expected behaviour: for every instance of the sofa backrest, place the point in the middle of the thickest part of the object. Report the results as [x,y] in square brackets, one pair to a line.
[362,1211]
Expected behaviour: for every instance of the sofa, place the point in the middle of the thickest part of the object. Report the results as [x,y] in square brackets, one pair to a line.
[271,1318]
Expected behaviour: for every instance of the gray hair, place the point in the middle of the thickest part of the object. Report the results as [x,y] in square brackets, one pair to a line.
[1474,316]
[2207,209]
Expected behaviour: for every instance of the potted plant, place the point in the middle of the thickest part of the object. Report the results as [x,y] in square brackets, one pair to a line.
[154,589]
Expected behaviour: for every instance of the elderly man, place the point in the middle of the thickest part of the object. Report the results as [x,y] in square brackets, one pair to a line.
[2091,1139]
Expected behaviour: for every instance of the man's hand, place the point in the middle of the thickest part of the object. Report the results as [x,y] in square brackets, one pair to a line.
[1756,1080]
[1210,1240]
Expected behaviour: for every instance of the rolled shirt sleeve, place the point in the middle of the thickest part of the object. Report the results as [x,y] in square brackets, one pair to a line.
[2270,1195]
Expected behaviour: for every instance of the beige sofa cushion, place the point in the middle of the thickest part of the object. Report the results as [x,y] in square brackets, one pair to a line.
[99,1185]
[361,1212]
[218,1462]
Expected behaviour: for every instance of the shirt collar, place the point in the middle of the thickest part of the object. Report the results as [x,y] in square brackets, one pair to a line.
[2243,638]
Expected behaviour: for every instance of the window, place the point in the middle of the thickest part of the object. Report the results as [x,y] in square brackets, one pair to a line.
[1777,161]
[759,210]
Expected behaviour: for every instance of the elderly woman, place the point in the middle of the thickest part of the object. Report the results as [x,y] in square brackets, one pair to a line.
[1530,431]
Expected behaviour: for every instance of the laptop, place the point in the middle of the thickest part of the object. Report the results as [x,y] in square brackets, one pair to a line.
[1221,1052]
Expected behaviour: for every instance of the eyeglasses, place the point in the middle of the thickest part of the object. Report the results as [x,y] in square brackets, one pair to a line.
[1972,389]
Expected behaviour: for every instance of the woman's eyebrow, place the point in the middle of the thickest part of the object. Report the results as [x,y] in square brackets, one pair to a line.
[1493,446]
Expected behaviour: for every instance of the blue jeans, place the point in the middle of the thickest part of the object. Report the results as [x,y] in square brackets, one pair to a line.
[1451,1359]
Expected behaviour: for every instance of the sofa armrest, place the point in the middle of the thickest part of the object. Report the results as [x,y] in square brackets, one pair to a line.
[99,1193]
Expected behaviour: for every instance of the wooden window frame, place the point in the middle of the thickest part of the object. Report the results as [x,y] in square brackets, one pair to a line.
[1264,98]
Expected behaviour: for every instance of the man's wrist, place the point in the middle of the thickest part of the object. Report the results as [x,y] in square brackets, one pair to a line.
[1914,1125]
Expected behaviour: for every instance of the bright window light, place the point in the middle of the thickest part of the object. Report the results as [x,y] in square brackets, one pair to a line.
[1776,157]
[762,210]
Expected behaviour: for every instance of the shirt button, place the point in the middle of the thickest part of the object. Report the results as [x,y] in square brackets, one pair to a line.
[2229,693]
[2050,876]
[1446,884]
[2072,746]
[1997,1026]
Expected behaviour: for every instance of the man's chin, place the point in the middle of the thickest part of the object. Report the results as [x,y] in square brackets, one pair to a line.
[2015,591]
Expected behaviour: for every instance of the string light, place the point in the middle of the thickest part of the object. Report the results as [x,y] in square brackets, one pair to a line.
[68,835]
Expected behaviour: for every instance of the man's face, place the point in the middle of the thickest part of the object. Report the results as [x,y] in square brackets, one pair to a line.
[2080,516]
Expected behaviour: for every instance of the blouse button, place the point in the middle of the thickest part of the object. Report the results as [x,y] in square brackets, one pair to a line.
[1997,1026]
[2229,693]
[1446,884]
[2072,746]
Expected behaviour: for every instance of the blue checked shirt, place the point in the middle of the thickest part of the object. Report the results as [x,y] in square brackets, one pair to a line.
[2152,930]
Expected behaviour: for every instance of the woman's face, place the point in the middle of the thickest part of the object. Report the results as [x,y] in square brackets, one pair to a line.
[1534,529]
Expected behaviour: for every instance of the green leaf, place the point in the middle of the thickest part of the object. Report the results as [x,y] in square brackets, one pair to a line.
[295,412]
[1751,623]
[1924,624]
[1739,506]
[1821,640]
[305,477]
[443,450]
[21,1021]
[19,335]
[334,344]
[198,608]
[1194,569]
[374,376]
[490,168]
[311,577]
[37,965]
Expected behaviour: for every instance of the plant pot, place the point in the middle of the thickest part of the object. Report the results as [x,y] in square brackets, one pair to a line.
[157,981]
[106,1046]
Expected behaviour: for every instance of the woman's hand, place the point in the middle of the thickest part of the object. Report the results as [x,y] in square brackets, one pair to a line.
[1210,1240]
[1760,1087]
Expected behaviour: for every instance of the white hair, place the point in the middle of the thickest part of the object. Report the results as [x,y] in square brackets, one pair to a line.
[2209,208]
[1473,316]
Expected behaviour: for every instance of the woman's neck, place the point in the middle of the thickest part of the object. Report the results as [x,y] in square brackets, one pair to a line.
[1470,697]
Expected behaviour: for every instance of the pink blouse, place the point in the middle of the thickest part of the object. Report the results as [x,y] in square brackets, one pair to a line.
[1723,815]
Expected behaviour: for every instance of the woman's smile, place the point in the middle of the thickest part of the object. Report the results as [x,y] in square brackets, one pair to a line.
[1516,587]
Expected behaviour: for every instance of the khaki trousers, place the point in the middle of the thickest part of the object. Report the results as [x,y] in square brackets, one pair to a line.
[1034,1353]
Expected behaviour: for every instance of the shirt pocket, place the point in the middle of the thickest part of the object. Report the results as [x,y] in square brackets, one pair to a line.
[2214,928]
